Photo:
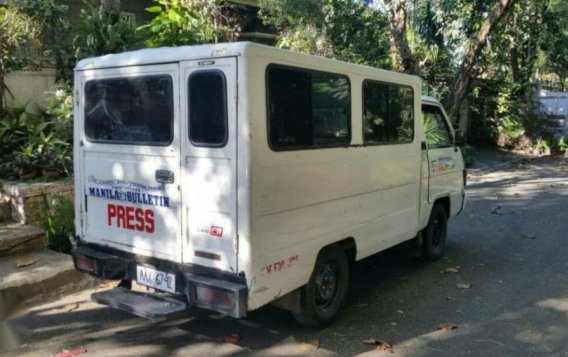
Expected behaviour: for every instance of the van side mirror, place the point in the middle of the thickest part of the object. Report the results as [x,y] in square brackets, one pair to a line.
[460,138]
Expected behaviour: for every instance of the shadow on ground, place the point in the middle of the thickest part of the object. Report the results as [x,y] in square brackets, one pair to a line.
[517,303]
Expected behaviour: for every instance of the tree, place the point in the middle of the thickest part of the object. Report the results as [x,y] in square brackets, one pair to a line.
[54,35]
[554,42]
[461,82]
[101,32]
[189,22]
[16,32]
[346,30]
[397,15]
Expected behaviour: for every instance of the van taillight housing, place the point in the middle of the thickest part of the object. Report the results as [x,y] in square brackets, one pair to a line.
[218,295]
[86,264]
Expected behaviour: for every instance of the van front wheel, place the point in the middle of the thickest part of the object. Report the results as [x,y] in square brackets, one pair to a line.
[434,235]
[325,293]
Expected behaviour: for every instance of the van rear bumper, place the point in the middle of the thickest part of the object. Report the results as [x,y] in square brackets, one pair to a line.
[200,286]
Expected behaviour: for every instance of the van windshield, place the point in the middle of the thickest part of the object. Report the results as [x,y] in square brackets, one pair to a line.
[133,110]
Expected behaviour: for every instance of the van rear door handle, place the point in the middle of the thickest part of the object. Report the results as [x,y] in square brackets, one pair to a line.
[164,176]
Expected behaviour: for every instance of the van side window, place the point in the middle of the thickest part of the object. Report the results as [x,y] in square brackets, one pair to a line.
[388,113]
[207,91]
[307,109]
[130,110]
[435,127]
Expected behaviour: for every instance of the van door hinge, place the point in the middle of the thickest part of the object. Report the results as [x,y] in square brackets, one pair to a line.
[86,204]
[237,93]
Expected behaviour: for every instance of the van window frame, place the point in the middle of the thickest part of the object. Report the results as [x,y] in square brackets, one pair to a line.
[307,70]
[363,113]
[225,110]
[131,143]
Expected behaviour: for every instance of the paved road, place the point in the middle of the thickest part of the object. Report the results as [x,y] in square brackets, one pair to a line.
[511,245]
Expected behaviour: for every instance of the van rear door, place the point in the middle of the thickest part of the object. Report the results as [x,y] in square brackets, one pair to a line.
[209,161]
[129,149]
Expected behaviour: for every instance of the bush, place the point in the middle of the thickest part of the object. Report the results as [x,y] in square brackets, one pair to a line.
[34,145]
[467,153]
[60,110]
[100,33]
[14,134]
[189,22]
[563,144]
[60,224]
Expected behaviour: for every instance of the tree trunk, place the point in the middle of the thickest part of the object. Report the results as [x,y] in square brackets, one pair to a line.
[397,15]
[462,79]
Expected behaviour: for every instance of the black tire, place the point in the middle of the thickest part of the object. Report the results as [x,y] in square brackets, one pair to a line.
[434,235]
[325,293]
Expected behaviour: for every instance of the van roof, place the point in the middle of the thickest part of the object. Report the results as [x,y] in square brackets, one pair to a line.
[183,53]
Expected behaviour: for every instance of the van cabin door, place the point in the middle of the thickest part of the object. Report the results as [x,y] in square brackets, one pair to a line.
[445,175]
[129,155]
[209,162]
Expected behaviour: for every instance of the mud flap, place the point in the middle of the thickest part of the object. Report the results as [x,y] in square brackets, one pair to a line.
[414,246]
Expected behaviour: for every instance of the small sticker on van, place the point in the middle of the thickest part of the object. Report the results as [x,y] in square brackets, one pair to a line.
[216,231]
[212,231]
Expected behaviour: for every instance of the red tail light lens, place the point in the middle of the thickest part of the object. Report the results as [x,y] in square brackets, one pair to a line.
[215,297]
[86,264]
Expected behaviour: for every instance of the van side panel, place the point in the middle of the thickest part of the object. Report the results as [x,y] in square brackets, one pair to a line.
[306,199]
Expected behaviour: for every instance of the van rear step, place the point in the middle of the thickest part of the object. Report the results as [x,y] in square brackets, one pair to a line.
[146,305]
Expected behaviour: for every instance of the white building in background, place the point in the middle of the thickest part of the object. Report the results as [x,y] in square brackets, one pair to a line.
[555,106]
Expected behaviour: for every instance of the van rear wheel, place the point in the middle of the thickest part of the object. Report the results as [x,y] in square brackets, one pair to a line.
[325,293]
[434,235]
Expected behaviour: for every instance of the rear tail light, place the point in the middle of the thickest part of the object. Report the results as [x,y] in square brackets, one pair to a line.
[215,297]
[86,264]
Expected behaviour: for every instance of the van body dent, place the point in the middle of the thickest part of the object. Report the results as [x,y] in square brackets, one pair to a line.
[235,175]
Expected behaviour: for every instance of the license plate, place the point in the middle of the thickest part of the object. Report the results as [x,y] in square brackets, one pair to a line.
[156,279]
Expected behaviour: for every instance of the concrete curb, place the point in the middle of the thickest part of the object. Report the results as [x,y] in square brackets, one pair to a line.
[52,275]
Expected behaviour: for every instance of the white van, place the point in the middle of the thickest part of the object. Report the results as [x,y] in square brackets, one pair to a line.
[230,176]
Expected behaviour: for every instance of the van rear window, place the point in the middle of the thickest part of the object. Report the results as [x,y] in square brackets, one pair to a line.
[207,109]
[132,110]
[307,109]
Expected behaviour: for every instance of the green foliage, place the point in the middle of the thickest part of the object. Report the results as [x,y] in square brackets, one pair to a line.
[563,144]
[60,111]
[346,30]
[431,130]
[54,35]
[100,33]
[13,136]
[188,22]
[554,46]
[17,31]
[512,127]
[543,146]
[467,154]
[31,145]
[59,223]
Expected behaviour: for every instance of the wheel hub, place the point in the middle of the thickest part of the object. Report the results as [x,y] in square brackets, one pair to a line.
[326,282]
